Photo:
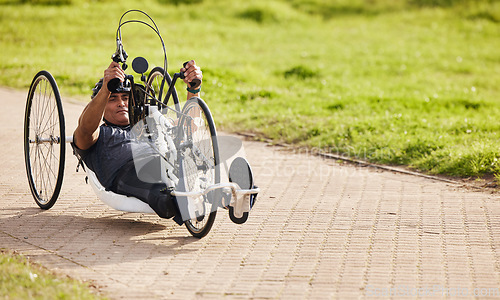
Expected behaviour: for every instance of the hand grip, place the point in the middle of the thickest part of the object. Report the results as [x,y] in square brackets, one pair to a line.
[195,82]
[113,85]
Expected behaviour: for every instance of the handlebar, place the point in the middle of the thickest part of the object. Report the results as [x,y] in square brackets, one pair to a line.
[195,81]
[120,56]
[114,85]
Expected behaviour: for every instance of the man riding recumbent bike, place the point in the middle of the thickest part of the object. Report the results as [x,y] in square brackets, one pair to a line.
[140,153]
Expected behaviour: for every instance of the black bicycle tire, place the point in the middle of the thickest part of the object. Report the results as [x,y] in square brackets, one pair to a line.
[34,187]
[157,71]
[199,233]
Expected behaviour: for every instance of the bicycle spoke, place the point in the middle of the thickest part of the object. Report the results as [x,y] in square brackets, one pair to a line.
[36,113]
[44,107]
[34,161]
[47,159]
[47,105]
[39,181]
[41,108]
[54,158]
[46,171]
[33,112]
[50,118]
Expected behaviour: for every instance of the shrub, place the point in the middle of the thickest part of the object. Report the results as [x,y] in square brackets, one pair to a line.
[300,72]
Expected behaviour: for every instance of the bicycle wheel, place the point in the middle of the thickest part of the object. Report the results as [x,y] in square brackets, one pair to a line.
[199,153]
[154,87]
[44,140]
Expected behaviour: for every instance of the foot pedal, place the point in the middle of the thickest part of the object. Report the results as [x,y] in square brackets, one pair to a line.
[241,174]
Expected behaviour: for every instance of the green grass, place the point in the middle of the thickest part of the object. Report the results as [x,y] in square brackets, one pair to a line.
[20,279]
[411,83]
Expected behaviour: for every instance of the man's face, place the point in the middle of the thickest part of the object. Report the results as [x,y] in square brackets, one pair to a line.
[116,110]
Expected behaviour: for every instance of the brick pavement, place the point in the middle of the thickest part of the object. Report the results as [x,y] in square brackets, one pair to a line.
[319,230]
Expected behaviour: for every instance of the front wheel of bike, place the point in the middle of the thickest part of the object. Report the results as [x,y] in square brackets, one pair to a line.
[156,88]
[197,140]
[154,85]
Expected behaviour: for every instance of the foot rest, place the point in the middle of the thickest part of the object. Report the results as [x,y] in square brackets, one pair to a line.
[241,174]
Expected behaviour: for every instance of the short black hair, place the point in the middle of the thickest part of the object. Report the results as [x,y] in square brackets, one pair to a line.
[97,88]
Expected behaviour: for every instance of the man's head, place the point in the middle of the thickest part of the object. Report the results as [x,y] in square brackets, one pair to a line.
[116,110]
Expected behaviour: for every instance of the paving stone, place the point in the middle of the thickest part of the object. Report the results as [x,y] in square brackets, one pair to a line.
[320,230]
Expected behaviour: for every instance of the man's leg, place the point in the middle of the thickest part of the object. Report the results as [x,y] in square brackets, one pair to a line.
[155,194]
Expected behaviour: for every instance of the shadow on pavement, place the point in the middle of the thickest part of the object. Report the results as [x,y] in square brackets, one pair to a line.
[101,240]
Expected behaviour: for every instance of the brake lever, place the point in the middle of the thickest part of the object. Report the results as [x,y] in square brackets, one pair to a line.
[120,56]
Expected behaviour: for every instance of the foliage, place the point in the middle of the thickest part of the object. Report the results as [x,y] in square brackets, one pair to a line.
[397,82]
[178,2]
[20,279]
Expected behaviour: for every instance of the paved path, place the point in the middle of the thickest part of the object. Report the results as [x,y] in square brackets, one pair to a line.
[319,230]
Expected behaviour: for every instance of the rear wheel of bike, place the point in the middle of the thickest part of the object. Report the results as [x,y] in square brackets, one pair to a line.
[44,140]
[197,141]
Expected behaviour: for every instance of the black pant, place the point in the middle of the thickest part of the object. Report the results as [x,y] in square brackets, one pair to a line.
[156,195]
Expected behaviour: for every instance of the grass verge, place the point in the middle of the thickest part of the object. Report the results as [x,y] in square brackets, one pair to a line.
[20,279]
[411,83]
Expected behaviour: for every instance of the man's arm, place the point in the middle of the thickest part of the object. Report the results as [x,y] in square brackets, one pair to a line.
[191,72]
[87,132]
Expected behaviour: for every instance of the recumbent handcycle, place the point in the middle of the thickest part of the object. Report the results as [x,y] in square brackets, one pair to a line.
[185,138]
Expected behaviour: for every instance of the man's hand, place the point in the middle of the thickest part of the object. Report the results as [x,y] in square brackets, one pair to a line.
[191,72]
[87,132]
[113,71]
